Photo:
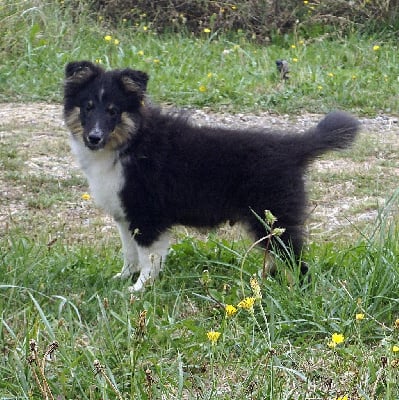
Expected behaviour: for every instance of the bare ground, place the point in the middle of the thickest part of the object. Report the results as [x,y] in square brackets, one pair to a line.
[41,187]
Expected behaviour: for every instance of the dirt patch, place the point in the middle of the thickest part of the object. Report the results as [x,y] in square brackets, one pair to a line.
[41,186]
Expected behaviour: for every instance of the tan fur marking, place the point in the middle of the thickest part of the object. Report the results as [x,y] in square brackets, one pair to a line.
[130,85]
[72,120]
[80,76]
[122,132]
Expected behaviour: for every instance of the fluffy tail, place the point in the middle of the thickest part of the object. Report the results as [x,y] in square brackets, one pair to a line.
[336,131]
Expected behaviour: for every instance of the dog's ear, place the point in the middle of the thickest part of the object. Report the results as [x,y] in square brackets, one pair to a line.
[79,73]
[134,81]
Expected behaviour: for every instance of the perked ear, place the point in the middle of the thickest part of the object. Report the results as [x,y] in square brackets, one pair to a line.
[134,81]
[80,72]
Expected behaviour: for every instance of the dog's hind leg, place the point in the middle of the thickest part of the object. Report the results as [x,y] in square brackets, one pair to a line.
[288,246]
[130,251]
[151,259]
[292,244]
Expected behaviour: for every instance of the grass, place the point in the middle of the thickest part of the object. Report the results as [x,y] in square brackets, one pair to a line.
[54,292]
[58,254]
[353,72]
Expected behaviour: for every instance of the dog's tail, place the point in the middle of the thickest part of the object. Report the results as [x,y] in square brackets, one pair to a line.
[336,131]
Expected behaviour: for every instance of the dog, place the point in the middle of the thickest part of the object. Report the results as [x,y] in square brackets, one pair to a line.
[151,169]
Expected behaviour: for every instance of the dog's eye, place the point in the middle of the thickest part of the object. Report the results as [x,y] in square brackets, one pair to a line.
[112,111]
[89,106]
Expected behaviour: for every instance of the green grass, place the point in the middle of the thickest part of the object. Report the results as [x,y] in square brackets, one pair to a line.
[58,255]
[234,73]
[65,293]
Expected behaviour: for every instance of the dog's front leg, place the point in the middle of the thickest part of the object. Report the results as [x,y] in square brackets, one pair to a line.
[130,251]
[151,260]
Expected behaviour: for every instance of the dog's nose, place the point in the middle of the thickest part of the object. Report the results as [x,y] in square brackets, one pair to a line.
[95,137]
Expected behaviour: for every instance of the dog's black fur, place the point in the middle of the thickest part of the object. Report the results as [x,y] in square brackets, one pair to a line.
[178,173]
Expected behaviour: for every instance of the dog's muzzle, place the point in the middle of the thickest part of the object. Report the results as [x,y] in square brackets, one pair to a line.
[95,139]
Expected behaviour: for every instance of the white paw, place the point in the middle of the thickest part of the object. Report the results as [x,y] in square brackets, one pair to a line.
[143,280]
[138,286]
[127,272]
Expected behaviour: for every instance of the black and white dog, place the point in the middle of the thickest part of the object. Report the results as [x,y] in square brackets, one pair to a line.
[150,169]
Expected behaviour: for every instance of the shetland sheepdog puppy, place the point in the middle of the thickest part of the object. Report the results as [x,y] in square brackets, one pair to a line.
[151,169]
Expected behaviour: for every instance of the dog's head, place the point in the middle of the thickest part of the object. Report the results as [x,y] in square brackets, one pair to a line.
[103,108]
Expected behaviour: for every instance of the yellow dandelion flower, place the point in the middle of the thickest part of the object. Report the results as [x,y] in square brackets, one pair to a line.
[86,196]
[295,59]
[336,339]
[395,349]
[342,398]
[156,61]
[207,30]
[293,46]
[376,47]
[234,7]
[302,42]
[330,74]
[107,38]
[230,310]
[210,75]
[140,53]
[319,87]
[116,42]
[145,28]
[360,317]
[354,77]
[305,2]
[396,324]
[202,88]
[247,303]
[213,336]
[99,61]
[124,20]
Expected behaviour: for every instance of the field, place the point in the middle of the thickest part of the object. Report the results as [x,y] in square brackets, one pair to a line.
[335,336]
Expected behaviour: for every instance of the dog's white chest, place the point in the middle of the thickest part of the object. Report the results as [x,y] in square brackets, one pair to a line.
[104,173]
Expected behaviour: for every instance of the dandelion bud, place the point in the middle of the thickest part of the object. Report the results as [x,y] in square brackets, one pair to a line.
[206,277]
[359,317]
[270,218]
[106,303]
[278,231]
